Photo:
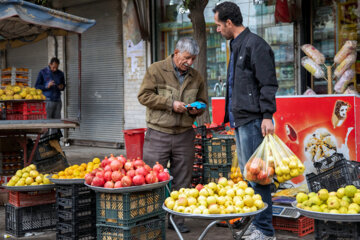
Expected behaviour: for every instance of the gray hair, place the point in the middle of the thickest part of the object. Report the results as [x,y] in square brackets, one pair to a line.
[188,44]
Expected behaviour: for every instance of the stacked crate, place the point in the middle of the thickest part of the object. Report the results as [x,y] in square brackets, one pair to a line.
[199,154]
[341,173]
[11,157]
[218,155]
[10,162]
[30,211]
[202,135]
[76,213]
[132,215]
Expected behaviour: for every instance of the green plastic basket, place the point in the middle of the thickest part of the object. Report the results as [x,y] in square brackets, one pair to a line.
[127,209]
[212,173]
[150,229]
[219,151]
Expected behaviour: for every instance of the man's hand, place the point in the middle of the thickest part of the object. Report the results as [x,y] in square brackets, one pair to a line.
[194,111]
[61,86]
[267,127]
[179,107]
[50,84]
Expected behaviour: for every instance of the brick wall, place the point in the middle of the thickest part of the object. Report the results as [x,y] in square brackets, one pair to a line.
[134,68]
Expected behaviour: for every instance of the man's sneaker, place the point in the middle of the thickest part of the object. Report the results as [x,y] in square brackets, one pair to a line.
[249,230]
[258,235]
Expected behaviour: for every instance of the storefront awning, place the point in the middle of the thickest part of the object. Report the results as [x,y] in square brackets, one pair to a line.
[22,22]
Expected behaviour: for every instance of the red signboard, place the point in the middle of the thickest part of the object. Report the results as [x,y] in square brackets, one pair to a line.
[315,127]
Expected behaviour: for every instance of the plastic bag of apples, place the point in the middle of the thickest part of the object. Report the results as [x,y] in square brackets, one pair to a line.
[260,167]
[270,158]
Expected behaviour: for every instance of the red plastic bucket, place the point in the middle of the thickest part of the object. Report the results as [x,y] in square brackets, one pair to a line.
[134,142]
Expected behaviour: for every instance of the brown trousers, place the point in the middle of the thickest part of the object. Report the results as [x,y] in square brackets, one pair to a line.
[178,149]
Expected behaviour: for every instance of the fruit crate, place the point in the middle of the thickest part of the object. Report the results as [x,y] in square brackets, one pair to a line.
[301,226]
[25,110]
[343,173]
[219,151]
[10,162]
[19,220]
[196,181]
[128,208]
[69,236]
[212,172]
[328,163]
[87,200]
[72,190]
[149,229]
[76,214]
[77,228]
[207,133]
[53,164]
[334,230]
[33,198]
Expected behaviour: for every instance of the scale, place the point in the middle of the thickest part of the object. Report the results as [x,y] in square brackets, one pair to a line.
[282,207]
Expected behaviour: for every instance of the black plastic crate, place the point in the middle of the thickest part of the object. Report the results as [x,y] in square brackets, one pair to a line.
[76,214]
[128,208]
[328,163]
[212,173]
[20,220]
[53,164]
[206,133]
[87,200]
[69,236]
[219,151]
[334,230]
[77,228]
[343,173]
[73,190]
[151,229]
[47,138]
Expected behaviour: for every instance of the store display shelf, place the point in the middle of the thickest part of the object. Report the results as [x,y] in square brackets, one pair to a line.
[284,62]
[281,44]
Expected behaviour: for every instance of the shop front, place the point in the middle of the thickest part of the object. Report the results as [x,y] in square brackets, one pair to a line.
[327,26]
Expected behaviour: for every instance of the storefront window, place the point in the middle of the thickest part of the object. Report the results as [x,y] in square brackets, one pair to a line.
[172,22]
[333,23]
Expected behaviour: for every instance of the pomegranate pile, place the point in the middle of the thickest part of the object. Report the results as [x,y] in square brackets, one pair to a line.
[118,172]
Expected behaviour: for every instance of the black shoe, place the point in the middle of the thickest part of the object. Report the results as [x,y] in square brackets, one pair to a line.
[181,226]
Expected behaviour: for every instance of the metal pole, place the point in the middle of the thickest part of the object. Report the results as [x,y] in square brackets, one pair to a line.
[79,77]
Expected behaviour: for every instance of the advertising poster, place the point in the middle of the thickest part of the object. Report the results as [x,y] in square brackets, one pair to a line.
[316,127]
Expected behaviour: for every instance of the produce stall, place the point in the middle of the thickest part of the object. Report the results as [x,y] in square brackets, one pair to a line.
[22,107]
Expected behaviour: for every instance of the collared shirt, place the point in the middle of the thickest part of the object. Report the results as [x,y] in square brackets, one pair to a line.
[45,76]
[180,76]
[231,79]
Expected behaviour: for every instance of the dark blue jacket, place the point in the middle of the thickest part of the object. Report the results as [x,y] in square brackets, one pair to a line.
[254,80]
[44,77]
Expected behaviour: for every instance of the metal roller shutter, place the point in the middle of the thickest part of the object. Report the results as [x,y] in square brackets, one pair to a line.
[33,56]
[102,107]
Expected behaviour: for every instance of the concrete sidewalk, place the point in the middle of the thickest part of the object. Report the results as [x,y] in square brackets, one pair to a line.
[80,154]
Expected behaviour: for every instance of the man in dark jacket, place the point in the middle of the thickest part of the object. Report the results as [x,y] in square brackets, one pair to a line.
[52,82]
[250,99]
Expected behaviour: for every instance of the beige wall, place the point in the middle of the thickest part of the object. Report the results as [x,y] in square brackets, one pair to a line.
[135,59]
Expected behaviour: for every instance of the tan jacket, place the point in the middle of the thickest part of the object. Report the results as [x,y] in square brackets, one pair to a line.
[160,88]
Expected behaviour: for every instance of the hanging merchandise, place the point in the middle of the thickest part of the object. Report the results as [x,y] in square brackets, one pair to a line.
[348,48]
[282,13]
[344,81]
[345,64]
[313,53]
[312,67]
